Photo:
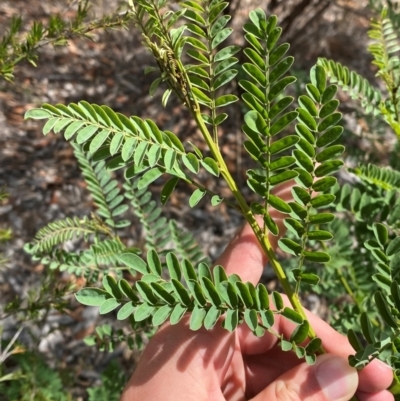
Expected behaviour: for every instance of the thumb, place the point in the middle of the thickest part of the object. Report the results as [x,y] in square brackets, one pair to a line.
[330,379]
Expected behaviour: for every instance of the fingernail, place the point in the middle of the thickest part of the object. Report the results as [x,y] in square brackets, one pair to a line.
[337,379]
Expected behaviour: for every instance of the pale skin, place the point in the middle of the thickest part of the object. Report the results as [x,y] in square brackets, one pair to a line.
[179,364]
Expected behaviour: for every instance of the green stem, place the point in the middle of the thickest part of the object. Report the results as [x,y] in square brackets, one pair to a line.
[261,237]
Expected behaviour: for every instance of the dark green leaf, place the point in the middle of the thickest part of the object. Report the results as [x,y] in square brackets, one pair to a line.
[294,226]
[313,92]
[280,106]
[305,133]
[228,292]
[324,184]
[329,93]
[281,68]
[181,292]
[262,296]
[279,87]
[300,195]
[278,53]
[282,144]
[292,315]
[220,37]
[267,318]
[146,292]
[322,200]
[282,162]
[277,301]
[393,247]
[289,246]
[384,310]
[244,294]
[168,189]
[283,122]
[307,119]
[328,153]
[328,108]
[319,235]
[328,167]
[283,177]
[210,291]
[307,104]
[322,218]
[271,225]
[319,257]
[330,136]
[381,233]
[329,121]
[226,52]
[300,333]
[225,100]
[278,203]
[303,160]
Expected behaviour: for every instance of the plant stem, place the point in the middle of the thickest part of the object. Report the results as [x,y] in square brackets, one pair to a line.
[261,237]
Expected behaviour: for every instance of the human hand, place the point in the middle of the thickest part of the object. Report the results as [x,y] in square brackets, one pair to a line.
[216,365]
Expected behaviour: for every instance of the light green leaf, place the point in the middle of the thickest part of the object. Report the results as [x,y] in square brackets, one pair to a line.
[92,296]
[210,165]
[161,315]
[37,114]
[143,312]
[196,196]
[150,176]
[134,262]
[177,314]
[108,306]
[224,100]
[196,318]
[212,317]
[231,320]
[126,311]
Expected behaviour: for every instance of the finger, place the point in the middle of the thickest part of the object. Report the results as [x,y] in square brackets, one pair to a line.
[379,396]
[331,378]
[181,363]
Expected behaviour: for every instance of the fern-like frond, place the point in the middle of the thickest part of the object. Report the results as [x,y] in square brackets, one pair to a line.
[207,296]
[104,190]
[132,142]
[65,230]
[186,245]
[357,86]
[156,230]
[383,177]
[266,70]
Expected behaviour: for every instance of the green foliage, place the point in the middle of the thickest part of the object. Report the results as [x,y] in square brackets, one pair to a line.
[17,45]
[290,141]
[37,381]
[112,382]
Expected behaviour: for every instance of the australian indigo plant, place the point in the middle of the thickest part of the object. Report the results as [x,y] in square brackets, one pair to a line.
[291,140]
